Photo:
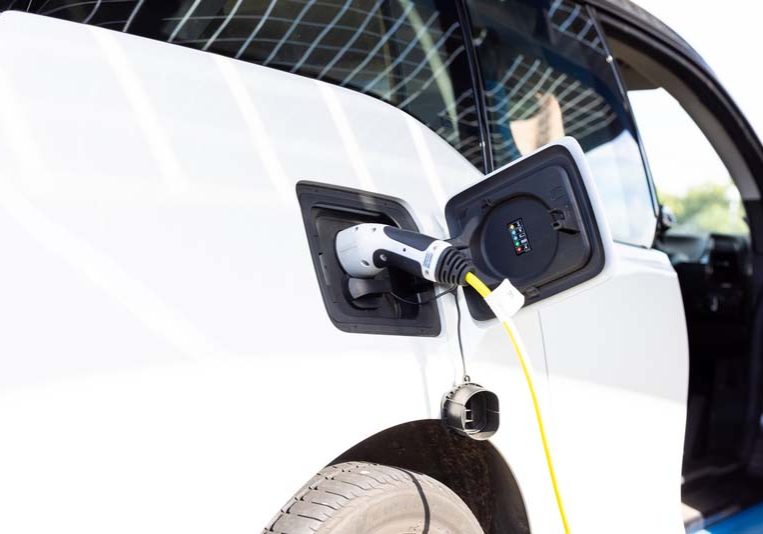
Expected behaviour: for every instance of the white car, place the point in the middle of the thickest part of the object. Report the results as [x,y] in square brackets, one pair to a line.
[180,350]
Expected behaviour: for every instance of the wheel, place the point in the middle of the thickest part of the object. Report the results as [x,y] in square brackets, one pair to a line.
[364,498]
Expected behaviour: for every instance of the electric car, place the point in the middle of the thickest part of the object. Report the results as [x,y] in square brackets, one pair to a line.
[181,350]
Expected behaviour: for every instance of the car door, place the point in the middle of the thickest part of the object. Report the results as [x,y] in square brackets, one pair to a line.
[615,350]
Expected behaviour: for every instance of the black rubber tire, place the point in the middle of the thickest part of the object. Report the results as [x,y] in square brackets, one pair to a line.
[364,498]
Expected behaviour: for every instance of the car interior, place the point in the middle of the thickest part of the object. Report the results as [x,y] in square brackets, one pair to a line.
[715,275]
[722,473]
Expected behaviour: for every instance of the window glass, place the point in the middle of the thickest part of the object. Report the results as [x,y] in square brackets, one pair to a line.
[546,74]
[689,175]
[409,53]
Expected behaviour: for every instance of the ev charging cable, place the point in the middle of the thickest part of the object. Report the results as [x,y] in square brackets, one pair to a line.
[364,250]
[505,301]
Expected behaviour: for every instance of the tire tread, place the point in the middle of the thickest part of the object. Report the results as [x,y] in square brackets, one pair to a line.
[338,486]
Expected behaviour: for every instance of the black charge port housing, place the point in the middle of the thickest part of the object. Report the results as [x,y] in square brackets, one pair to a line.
[364,306]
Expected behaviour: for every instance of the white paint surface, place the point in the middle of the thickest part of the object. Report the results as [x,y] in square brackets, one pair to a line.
[166,362]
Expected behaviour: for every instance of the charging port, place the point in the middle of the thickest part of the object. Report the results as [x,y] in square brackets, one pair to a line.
[385,304]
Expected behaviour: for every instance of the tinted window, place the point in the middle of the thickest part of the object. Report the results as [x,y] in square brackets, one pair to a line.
[546,74]
[409,53]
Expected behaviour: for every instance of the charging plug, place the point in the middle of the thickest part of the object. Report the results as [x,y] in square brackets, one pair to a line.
[365,249]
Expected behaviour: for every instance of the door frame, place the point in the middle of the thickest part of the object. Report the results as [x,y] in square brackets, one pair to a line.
[732,136]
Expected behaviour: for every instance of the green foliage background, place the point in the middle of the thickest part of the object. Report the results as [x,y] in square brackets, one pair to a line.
[707,208]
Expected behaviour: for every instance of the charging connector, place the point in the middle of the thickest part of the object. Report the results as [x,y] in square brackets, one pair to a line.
[365,249]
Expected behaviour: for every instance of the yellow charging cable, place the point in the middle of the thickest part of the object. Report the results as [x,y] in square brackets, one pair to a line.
[480,287]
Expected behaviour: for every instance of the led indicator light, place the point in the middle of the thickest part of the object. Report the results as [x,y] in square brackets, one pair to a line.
[519,237]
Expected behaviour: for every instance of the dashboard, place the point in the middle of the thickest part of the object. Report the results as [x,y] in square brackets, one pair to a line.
[715,273]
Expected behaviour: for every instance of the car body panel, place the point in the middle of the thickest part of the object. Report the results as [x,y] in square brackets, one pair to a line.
[167,363]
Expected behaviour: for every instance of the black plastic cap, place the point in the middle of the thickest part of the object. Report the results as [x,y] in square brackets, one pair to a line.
[472,411]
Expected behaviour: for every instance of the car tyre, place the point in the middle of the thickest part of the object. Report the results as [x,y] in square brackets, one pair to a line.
[365,498]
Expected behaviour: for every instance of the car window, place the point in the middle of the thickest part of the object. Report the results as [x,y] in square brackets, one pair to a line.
[409,53]
[546,73]
[689,175]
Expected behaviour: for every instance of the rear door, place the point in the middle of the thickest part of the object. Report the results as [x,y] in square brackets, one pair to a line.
[615,347]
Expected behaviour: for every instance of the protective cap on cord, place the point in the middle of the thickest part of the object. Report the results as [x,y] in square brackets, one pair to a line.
[505,300]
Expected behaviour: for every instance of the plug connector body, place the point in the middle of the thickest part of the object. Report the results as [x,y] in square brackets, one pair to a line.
[364,250]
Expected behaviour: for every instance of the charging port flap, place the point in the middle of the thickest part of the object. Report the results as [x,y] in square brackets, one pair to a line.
[392,302]
[532,222]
